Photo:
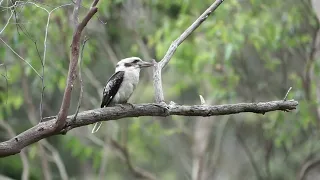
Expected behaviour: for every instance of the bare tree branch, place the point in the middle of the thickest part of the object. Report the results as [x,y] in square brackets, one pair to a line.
[307,167]
[157,83]
[285,97]
[80,79]
[75,46]
[201,139]
[5,76]
[122,152]
[75,15]
[136,171]
[13,11]
[57,159]
[47,128]
[63,123]
[94,3]
[7,22]
[20,57]
[43,61]
[25,163]
[250,155]
[44,163]
[31,113]
[173,47]
[104,159]
[217,148]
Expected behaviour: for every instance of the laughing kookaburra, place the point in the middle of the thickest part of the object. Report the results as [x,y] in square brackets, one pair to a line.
[122,83]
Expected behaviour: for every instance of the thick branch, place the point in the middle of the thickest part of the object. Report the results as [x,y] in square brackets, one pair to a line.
[46,129]
[75,46]
[157,83]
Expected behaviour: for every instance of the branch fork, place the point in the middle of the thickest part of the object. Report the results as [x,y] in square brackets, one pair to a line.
[157,80]
[62,123]
[75,47]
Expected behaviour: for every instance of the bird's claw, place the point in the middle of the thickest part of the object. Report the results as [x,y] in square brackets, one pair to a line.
[131,105]
[123,106]
[163,106]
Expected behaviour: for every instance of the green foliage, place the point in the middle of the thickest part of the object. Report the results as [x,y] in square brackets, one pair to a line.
[250,50]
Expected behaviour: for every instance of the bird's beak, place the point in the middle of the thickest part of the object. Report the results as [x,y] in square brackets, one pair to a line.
[145,64]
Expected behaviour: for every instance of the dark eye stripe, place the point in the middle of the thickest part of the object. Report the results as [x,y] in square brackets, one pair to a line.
[127,64]
[136,61]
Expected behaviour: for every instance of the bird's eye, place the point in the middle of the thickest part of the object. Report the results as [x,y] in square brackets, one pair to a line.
[136,61]
[127,64]
[117,65]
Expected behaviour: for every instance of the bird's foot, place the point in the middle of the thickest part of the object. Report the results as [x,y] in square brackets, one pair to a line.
[163,106]
[131,105]
[123,106]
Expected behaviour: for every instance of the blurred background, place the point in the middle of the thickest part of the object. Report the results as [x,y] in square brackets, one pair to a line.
[246,51]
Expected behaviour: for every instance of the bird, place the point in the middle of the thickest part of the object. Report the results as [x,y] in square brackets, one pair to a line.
[122,83]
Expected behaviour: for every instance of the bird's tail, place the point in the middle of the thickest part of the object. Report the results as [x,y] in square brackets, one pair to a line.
[95,128]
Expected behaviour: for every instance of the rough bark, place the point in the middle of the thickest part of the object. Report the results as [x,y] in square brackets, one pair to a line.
[47,128]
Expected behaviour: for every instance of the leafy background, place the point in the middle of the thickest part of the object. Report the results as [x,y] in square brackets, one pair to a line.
[246,51]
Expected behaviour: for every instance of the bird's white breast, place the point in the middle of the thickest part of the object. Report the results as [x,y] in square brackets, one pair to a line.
[128,85]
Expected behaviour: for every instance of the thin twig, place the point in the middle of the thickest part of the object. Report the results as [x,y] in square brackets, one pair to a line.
[5,76]
[122,153]
[187,32]
[14,5]
[15,15]
[21,57]
[25,163]
[75,15]
[250,156]
[92,5]
[31,112]
[137,172]
[27,34]
[7,22]
[285,97]
[45,165]
[221,131]
[43,61]
[20,3]
[80,79]
[57,159]
[72,75]
[157,82]
[104,159]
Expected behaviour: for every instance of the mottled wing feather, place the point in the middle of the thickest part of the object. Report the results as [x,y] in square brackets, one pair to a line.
[112,87]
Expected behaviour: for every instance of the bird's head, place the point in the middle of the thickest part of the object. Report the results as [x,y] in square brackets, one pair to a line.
[132,64]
